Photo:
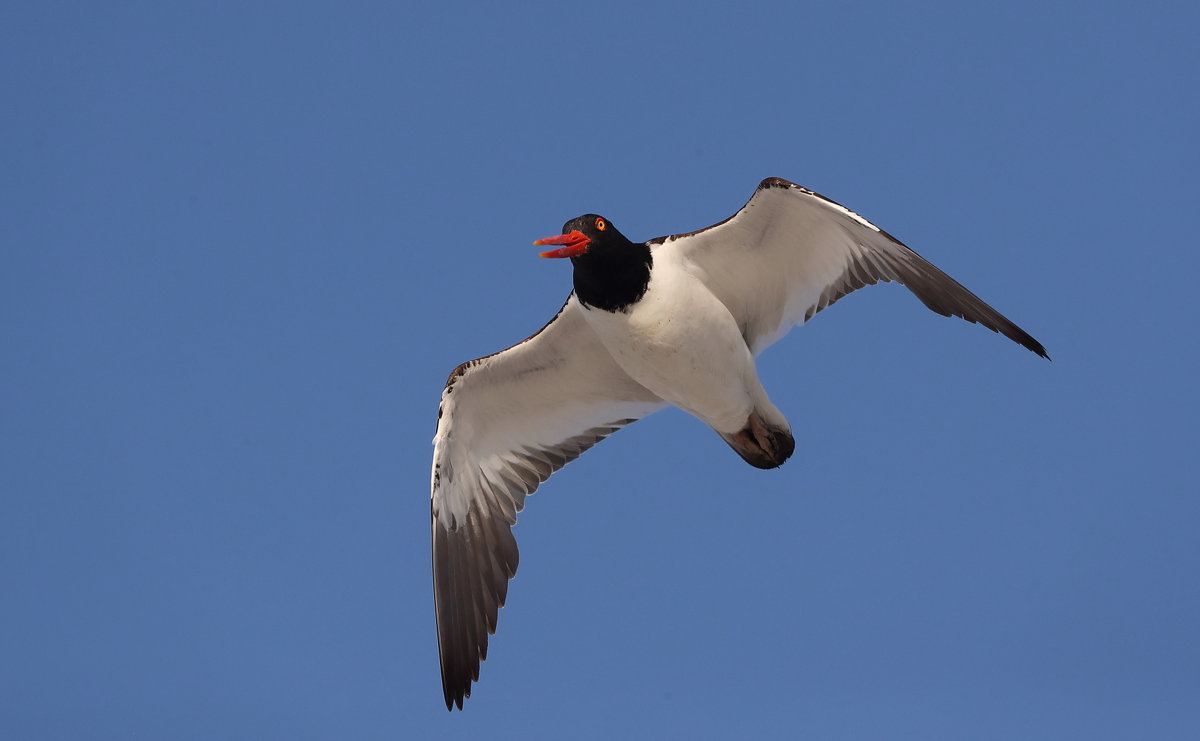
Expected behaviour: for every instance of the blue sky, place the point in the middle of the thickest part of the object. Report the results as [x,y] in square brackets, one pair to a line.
[245,243]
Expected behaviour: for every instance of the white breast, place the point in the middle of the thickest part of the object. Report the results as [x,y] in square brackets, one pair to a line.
[682,343]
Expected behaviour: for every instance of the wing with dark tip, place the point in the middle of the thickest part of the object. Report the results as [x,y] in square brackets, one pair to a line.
[790,252]
[506,423]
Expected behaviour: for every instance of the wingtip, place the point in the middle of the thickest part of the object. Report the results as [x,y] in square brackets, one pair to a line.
[454,697]
[1032,345]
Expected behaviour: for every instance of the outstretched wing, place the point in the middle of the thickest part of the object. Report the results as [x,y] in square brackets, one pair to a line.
[790,252]
[506,422]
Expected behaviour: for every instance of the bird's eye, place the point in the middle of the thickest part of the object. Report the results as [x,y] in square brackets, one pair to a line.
[600,224]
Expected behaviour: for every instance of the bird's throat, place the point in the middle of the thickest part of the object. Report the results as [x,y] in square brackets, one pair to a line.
[613,282]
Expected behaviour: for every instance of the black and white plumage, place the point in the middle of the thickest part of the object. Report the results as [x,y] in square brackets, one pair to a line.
[676,320]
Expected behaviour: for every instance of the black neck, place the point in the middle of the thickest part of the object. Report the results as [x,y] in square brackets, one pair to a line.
[613,280]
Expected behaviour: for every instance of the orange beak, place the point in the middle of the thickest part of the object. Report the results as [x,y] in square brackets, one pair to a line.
[575,244]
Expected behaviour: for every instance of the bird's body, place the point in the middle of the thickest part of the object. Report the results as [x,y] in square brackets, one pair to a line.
[680,342]
[676,321]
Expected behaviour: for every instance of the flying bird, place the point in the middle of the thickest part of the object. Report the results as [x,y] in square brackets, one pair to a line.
[677,321]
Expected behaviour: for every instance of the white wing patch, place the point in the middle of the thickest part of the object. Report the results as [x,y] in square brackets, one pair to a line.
[506,423]
[789,252]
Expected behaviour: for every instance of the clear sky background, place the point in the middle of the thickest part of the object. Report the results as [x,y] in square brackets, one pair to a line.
[244,244]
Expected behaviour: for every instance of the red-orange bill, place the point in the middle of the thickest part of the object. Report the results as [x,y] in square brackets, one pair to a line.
[575,244]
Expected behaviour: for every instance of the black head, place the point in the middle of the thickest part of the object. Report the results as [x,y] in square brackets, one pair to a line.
[611,273]
[586,235]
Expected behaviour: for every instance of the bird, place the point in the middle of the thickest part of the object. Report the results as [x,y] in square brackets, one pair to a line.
[673,321]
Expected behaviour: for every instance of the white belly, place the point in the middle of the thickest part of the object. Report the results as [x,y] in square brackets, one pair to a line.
[681,342]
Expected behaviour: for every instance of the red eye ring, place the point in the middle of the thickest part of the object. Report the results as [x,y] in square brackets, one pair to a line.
[600,224]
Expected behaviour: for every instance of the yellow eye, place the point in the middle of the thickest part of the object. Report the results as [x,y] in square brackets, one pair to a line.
[600,224]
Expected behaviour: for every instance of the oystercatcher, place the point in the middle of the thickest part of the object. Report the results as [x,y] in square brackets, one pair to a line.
[675,320]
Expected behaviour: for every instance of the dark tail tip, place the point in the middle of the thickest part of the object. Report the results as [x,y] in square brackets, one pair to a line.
[769,448]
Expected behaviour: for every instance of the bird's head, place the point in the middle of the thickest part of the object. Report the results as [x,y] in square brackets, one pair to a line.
[585,235]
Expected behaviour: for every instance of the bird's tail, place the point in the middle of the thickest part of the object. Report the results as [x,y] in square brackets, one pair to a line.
[762,444]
